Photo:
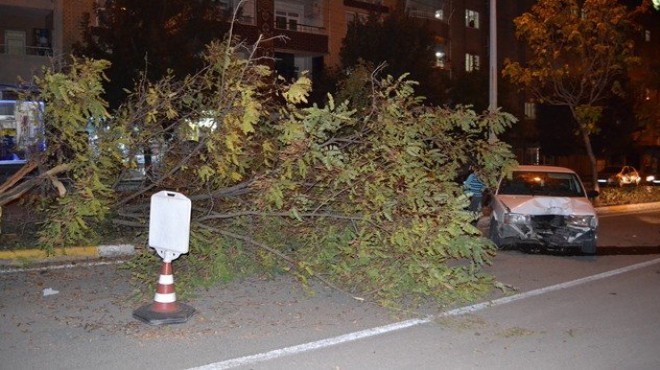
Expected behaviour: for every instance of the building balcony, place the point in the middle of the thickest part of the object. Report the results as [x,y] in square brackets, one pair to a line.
[435,20]
[307,43]
[26,37]
[23,63]
[301,38]
[376,6]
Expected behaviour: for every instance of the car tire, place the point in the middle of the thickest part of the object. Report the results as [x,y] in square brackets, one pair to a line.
[589,247]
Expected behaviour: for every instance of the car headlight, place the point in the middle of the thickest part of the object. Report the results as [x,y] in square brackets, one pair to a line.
[582,221]
[650,178]
[516,218]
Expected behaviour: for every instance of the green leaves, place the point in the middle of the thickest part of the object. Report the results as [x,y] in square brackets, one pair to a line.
[73,104]
[364,195]
[390,182]
[298,91]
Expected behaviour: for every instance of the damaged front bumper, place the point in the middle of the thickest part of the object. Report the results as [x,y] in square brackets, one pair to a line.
[549,232]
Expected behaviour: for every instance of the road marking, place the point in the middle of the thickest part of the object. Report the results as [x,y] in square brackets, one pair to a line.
[548,289]
[324,343]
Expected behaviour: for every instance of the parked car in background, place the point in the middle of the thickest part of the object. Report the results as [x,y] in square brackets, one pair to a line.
[543,208]
[619,176]
[650,179]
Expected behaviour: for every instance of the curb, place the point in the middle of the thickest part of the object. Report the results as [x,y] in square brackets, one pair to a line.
[29,256]
[627,208]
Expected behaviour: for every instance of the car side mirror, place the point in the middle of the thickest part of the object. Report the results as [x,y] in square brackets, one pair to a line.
[591,194]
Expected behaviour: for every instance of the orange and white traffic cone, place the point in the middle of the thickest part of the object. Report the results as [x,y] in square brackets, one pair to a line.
[165,309]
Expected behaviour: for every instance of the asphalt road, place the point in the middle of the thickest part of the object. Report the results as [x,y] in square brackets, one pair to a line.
[571,312]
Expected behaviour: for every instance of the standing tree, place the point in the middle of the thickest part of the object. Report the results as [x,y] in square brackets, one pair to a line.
[577,52]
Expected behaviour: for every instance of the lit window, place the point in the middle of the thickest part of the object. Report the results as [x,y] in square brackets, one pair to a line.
[102,15]
[440,56]
[471,18]
[647,35]
[471,62]
[530,110]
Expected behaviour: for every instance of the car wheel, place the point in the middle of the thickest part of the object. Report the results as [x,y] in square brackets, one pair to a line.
[492,233]
[589,247]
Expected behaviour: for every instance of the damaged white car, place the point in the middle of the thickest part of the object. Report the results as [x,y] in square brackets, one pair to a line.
[543,208]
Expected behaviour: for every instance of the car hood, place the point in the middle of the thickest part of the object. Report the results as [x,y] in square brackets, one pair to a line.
[540,205]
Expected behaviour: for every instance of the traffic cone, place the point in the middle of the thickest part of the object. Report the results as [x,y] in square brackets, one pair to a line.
[165,309]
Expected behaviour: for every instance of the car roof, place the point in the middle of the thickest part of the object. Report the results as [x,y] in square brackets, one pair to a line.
[538,168]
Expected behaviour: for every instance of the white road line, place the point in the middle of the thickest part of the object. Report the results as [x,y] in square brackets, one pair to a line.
[324,343]
[548,289]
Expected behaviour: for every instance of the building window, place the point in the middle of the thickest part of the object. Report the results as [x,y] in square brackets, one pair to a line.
[246,12]
[353,17]
[440,56]
[101,14]
[471,62]
[471,18]
[647,35]
[427,9]
[530,110]
[286,20]
[15,42]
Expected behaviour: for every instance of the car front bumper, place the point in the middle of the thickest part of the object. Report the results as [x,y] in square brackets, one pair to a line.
[547,232]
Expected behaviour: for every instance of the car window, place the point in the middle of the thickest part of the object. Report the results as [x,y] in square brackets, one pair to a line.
[541,183]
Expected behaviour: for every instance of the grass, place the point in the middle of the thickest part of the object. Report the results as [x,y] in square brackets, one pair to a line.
[612,196]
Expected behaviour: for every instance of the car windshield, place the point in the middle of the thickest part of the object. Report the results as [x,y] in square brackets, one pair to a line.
[554,184]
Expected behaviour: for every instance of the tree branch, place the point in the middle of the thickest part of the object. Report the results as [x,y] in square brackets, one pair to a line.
[293,263]
[18,191]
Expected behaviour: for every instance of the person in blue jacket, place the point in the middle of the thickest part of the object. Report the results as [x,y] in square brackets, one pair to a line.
[474,189]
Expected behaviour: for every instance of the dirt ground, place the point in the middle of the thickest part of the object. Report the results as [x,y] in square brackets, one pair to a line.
[18,225]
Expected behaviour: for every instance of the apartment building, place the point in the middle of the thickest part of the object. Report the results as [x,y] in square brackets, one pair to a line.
[313,30]
[299,35]
[33,31]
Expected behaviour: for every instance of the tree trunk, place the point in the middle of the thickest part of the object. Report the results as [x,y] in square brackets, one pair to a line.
[592,158]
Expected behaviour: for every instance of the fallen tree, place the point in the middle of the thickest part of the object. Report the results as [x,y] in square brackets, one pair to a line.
[366,200]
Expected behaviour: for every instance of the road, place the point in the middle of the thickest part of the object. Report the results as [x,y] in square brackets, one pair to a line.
[565,312]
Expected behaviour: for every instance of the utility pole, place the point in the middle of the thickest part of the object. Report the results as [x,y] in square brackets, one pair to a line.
[492,75]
